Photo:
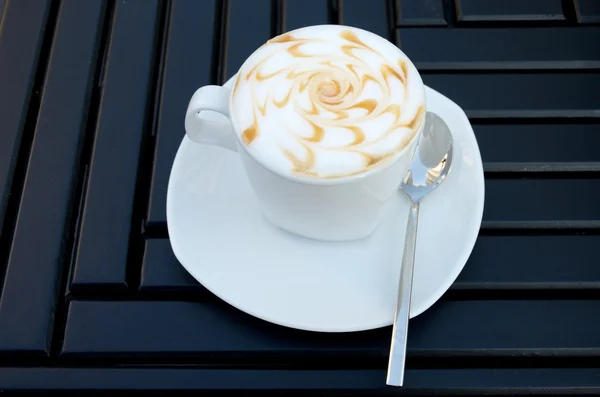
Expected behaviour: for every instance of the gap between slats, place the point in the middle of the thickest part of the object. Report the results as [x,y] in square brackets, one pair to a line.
[459,291]
[81,178]
[141,197]
[288,361]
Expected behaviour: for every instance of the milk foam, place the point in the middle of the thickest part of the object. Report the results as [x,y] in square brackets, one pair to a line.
[327,102]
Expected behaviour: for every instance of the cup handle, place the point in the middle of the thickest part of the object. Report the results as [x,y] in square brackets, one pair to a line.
[210,132]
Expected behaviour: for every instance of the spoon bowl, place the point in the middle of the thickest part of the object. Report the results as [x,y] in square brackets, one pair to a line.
[428,168]
[431,161]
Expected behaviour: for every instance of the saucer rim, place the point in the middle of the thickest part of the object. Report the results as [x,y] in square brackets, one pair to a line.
[469,242]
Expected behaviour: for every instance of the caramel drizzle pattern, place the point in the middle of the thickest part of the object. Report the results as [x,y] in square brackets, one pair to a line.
[336,96]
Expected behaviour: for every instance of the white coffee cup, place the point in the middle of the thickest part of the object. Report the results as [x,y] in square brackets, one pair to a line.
[328,209]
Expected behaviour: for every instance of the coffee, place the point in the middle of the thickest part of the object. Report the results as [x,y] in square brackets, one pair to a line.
[329,102]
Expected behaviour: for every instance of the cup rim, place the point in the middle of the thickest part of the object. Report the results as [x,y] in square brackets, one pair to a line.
[327,181]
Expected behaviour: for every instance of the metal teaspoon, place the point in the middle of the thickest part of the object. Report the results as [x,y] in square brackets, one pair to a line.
[427,170]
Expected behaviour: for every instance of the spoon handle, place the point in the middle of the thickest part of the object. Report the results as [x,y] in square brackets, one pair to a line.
[395,374]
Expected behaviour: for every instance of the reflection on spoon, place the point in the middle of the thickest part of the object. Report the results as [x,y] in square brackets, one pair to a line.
[428,169]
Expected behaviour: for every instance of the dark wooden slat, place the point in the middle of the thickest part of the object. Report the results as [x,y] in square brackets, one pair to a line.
[500,48]
[509,10]
[532,168]
[101,257]
[372,15]
[2,2]
[565,262]
[422,382]
[588,11]
[161,271]
[249,26]
[521,94]
[420,13]
[300,13]
[561,226]
[528,262]
[21,33]
[542,200]
[38,250]
[185,70]
[450,328]
[541,143]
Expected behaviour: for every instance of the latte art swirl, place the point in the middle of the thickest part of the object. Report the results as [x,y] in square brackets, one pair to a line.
[328,105]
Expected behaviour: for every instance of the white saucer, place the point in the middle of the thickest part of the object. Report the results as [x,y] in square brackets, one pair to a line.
[219,235]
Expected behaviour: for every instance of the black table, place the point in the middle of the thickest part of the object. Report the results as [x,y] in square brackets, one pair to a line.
[92,99]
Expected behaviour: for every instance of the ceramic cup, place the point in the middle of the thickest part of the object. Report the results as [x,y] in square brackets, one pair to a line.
[328,209]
